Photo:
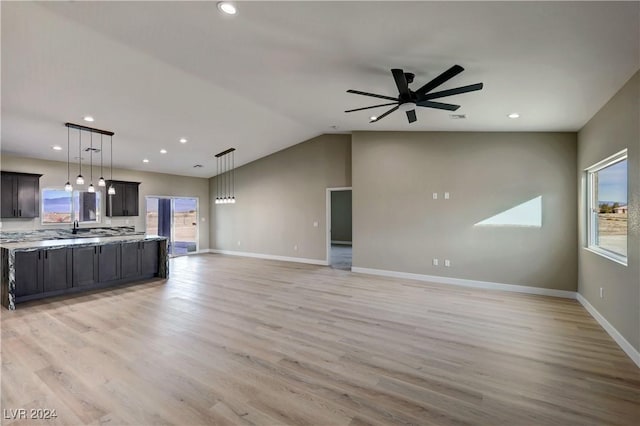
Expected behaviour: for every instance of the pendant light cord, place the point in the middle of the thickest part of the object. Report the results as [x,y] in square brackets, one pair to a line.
[112,160]
[91,158]
[101,171]
[68,154]
[79,152]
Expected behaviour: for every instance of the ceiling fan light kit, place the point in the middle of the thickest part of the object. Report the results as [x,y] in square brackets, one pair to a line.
[407,99]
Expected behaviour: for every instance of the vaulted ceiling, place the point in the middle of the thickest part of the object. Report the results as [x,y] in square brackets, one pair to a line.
[276,74]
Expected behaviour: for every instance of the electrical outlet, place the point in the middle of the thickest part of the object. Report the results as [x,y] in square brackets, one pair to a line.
[435,262]
[446,195]
[601,293]
[295,247]
[447,263]
[108,221]
[315,224]
[238,243]
[435,195]
[126,222]
[204,219]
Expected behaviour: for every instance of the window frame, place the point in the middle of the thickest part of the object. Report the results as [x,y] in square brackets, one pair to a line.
[593,208]
[73,211]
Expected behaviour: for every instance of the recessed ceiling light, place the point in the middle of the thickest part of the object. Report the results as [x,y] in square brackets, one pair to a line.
[513,115]
[183,140]
[146,160]
[163,151]
[56,148]
[227,7]
[88,118]
[373,118]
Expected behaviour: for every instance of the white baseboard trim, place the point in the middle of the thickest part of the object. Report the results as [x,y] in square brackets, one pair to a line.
[469,283]
[271,257]
[343,243]
[615,334]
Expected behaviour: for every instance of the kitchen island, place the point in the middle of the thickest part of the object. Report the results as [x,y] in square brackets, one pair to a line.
[38,269]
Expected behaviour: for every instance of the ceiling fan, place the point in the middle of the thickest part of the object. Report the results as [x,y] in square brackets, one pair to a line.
[407,99]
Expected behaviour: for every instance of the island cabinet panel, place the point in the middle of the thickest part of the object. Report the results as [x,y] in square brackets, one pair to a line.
[130,260]
[56,269]
[85,266]
[28,273]
[149,258]
[108,262]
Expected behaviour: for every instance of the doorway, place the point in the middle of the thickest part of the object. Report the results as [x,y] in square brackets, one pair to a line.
[175,218]
[339,228]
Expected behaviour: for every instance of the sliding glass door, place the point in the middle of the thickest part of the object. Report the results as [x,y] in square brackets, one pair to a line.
[175,218]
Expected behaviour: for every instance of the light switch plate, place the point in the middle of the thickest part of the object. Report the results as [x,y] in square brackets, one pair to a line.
[435,195]
[446,195]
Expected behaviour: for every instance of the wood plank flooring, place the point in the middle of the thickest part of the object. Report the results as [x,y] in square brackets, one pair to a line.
[230,340]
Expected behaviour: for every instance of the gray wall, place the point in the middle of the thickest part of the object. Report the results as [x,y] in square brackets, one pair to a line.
[613,128]
[54,175]
[397,226]
[341,216]
[279,197]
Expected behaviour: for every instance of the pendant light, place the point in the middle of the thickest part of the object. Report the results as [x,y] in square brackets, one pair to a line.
[91,188]
[80,179]
[111,190]
[225,177]
[101,181]
[67,186]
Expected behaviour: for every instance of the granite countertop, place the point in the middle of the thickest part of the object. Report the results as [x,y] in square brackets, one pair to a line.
[79,242]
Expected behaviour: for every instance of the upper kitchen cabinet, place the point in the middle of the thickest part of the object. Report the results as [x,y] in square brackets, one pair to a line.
[125,201]
[20,195]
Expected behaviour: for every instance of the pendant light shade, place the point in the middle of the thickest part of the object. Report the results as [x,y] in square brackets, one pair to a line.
[111,190]
[225,185]
[101,181]
[79,179]
[67,186]
[91,188]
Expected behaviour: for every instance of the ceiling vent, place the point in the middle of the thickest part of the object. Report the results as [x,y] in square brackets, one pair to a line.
[197,166]
[457,116]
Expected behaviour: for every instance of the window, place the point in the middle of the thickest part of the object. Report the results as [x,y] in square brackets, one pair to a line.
[607,207]
[56,206]
[59,206]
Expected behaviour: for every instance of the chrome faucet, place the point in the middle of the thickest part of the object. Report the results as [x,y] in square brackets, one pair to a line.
[76,226]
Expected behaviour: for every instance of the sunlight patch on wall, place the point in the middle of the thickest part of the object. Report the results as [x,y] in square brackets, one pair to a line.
[528,213]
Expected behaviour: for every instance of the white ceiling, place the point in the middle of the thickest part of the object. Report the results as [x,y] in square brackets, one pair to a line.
[276,74]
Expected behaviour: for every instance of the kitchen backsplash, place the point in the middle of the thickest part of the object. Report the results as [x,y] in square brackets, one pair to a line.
[61,234]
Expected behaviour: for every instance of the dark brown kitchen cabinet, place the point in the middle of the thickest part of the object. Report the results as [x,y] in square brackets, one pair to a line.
[41,271]
[20,195]
[125,200]
[85,266]
[108,262]
[28,273]
[149,257]
[130,264]
[56,269]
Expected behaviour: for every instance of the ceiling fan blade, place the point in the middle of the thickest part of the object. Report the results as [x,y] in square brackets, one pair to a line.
[385,114]
[438,105]
[448,74]
[450,92]
[411,115]
[401,83]
[373,95]
[373,106]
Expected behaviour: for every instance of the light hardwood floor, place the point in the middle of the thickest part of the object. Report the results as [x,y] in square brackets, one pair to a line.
[230,340]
